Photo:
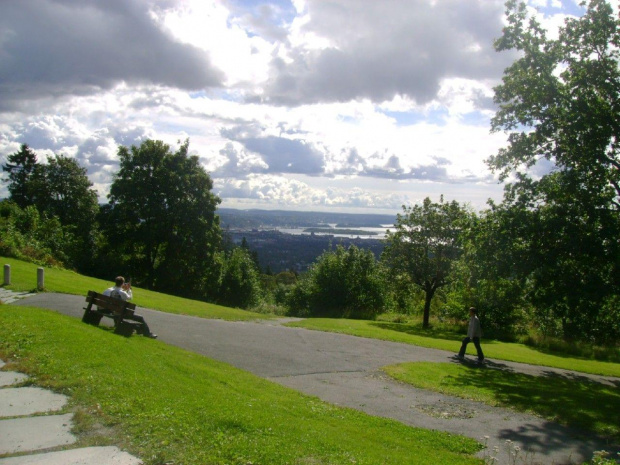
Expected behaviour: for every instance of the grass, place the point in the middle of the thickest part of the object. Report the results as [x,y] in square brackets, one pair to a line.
[580,403]
[451,341]
[24,278]
[166,405]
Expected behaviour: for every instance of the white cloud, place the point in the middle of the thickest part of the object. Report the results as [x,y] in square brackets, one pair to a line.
[308,104]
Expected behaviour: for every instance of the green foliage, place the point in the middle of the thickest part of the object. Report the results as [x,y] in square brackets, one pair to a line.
[557,398]
[344,283]
[425,244]
[58,190]
[489,274]
[24,278]
[161,221]
[239,282]
[25,235]
[21,166]
[559,102]
[560,97]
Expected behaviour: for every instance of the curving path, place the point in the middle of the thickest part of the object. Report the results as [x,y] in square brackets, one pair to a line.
[345,370]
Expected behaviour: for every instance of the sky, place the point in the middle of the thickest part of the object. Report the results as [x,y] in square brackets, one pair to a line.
[357,106]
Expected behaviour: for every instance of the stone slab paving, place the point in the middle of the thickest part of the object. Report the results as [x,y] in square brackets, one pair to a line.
[23,401]
[35,433]
[84,456]
[23,433]
[8,297]
[9,378]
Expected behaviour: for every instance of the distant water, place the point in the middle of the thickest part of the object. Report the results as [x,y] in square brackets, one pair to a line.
[379,232]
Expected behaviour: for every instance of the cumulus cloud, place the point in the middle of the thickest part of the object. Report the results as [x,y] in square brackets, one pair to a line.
[63,47]
[378,50]
[279,192]
[301,103]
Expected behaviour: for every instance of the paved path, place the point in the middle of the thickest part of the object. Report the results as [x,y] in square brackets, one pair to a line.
[34,431]
[345,370]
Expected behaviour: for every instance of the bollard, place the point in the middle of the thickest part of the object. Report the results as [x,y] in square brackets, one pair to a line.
[7,275]
[40,278]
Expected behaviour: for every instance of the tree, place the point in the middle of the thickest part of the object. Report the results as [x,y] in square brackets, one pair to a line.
[560,102]
[491,273]
[425,244]
[21,166]
[161,220]
[59,189]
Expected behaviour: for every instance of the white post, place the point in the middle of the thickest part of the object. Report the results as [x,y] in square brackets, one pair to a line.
[7,275]
[40,278]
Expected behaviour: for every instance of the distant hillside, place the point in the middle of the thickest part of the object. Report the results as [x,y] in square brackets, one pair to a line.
[278,251]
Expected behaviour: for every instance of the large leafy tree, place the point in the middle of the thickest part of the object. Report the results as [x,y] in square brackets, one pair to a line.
[560,99]
[161,219]
[560,102]
[425,244]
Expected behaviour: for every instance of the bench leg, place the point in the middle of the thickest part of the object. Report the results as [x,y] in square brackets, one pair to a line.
[92,318]
[124,328]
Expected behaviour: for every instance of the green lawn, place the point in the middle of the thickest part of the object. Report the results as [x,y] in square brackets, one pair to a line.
[580,403]
[412,334]
[166,405]
[24,278]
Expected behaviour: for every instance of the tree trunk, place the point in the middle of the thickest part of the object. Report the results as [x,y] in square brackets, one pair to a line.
[429,293]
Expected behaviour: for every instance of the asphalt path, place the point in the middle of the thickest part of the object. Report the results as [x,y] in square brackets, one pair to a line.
[346,371]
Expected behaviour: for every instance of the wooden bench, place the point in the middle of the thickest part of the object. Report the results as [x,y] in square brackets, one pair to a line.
[100,306]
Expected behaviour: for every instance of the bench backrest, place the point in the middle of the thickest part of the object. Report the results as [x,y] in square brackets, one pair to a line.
[117,306]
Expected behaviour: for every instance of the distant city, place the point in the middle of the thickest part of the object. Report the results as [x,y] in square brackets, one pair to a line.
[292,241]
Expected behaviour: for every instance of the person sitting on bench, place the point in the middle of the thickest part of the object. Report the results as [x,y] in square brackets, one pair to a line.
[122,290]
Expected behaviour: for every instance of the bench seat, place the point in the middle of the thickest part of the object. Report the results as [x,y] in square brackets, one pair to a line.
[100,306]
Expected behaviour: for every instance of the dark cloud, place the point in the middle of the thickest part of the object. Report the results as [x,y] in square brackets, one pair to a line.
[388,48]
[281,155]
[69,47]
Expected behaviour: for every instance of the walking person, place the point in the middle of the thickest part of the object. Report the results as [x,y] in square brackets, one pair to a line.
[474,333]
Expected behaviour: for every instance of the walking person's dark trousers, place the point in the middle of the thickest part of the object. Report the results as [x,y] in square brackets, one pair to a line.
[476,341]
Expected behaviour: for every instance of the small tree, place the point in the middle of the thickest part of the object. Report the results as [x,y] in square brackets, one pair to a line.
[21,166]
[425,244]
[240,280]
[345,283]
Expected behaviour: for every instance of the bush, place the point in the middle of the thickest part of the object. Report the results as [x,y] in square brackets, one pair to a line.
[345,283]
[239,284]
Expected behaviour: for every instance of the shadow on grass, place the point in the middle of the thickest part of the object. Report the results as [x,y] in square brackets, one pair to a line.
[569,399]
[417,330]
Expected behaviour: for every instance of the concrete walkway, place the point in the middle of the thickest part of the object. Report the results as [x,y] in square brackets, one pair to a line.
[34,431]
[346,371]
[8,297]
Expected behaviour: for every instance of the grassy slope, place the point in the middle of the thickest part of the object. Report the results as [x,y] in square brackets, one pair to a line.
[167,405]
[580,403]
[24,278]
[410,334]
